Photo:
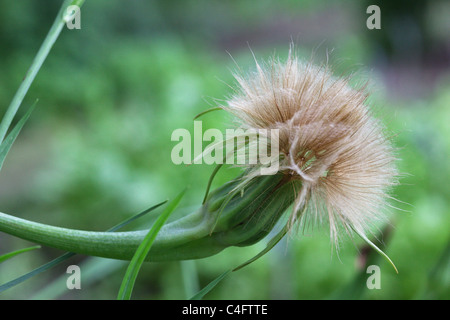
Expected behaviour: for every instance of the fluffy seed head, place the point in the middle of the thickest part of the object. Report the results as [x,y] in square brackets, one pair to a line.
[328,139]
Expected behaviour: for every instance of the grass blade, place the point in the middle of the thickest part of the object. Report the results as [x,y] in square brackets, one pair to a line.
[272,243]
[39,59]
[9,255]
[94,270]
[213,283]
[8,142]
[68,255]
[137,216]
[210,286]
[129,279]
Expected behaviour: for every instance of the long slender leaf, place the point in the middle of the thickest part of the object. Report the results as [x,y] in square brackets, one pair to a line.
[8,142]
[9,255]
[137,216]
[94,269]
[210,286]
[129,279]
[272,243]
[68,255]
[36,271]
[213,283]
[53,34]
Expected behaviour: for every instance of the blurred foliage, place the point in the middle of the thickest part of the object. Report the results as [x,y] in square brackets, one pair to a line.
[97,147]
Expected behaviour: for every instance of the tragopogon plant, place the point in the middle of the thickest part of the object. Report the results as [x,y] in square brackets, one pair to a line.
[336,166]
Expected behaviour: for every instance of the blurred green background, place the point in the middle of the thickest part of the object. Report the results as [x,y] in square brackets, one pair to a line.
[97,148]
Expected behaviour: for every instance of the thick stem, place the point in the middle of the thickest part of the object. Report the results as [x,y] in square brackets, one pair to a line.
[246,219]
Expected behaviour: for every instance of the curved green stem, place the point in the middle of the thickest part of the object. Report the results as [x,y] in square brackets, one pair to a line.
[246,219]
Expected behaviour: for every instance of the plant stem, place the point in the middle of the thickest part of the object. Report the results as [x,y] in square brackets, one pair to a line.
[39,59]
[245,220]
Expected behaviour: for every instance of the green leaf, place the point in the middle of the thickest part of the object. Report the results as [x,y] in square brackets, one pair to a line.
[129,279]
[370,243]
[36,271]
[9,255]
[210,286]
[137,216]
[68,255]
[94,270]
[272,243]
[38,60]
[213,283]
[8,142]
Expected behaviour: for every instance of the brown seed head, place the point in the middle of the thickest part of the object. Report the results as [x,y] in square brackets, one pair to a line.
[328,139]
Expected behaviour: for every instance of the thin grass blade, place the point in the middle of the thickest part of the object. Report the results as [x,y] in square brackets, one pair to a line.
[135,217]
[53,34]
[8,142]
[210,286]
[129,279]
[214,283]
[9,255]
[272,243]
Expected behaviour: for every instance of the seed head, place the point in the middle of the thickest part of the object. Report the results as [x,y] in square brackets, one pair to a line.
[329,140]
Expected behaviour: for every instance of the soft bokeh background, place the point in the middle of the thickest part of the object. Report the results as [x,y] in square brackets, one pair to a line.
[97,148]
